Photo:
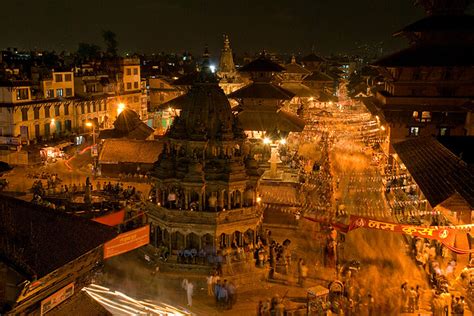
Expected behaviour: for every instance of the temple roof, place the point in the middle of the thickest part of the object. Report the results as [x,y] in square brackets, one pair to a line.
[319,76]
[128,125]
[312,58]
[270,121]
[226,63]
[299,89]
[262,64]
[430,55]
[436,170]
[295,68]
[444,23]
[132,151]
[262,90]
[38,240]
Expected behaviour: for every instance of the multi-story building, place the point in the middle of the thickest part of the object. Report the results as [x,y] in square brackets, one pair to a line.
[429,86]
[29,118]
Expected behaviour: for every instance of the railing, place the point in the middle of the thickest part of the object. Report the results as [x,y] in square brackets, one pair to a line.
[203,217]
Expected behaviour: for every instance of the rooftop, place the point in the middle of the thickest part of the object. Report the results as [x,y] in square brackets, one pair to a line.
[37,240]
[444,23]
[262,64]
[430,55]
[262,90]
[436,170]
[133,151]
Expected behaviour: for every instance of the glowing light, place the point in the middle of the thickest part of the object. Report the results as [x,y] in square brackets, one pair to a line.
[259,199]
[266,141]
[120,108]
[123,304]
[382,127]
[89,124]
[283,141]
[213,68]
[170,109]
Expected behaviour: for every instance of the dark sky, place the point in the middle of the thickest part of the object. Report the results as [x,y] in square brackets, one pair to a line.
[176,25]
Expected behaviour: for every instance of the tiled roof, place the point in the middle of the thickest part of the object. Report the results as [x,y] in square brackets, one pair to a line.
[319,76]
[131,151]
[312,58]
[300,90]
[270,121]
[442,22]
[37,240]
[262,64]
[430,55]
[436,170]
[262,90]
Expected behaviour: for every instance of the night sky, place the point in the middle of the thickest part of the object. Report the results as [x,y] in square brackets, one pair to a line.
[289,26]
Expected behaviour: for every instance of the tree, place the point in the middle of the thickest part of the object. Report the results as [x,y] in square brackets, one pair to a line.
[87,52]
[111,43]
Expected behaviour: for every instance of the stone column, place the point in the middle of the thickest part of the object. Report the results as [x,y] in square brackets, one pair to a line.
[221,199]
[186,199]
[228,200]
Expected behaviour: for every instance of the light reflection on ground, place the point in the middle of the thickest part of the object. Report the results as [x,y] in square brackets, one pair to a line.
[119,303]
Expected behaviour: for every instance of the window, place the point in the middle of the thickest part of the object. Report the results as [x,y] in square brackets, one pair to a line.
[82,109]
[105,106]
[46,111]
[24,114]
[94,107]
[67,77]
[414,131]
[100,106]
[135,71]
[129,71]
[426,116]
[129,85]
[58,78]
[69,92]
[37,131]
[56,110]
[66,109]
[59,93]
[47,129]
[444,131]
[50,93]
[36,113]
[22,94]
[135,85]
[416,116]
[88,107]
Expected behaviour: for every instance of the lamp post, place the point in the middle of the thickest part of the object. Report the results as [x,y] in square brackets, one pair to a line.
[94,150]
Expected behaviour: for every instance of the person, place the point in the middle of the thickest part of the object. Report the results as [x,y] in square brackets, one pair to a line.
[417,299]
[231,295]
[304,273]
[210,284]
[217,288]
[260,308]
[411,300]
[404,297]
[222,296]
[189,293]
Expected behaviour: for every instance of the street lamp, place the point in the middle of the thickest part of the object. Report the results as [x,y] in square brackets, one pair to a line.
[120,108]
[90,124]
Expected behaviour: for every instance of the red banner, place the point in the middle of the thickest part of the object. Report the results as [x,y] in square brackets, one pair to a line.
[444,234]
[127,241]
[113,219]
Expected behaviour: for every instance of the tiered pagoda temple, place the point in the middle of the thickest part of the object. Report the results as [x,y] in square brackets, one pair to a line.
[261,102]
[429,85]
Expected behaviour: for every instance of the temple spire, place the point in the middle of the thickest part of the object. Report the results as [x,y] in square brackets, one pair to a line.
[226,64]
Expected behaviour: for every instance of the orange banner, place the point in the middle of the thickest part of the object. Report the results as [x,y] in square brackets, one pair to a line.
[127,241]
[113,219]
[57,298]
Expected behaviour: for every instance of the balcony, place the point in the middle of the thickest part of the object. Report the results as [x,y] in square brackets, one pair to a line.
[388,100]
